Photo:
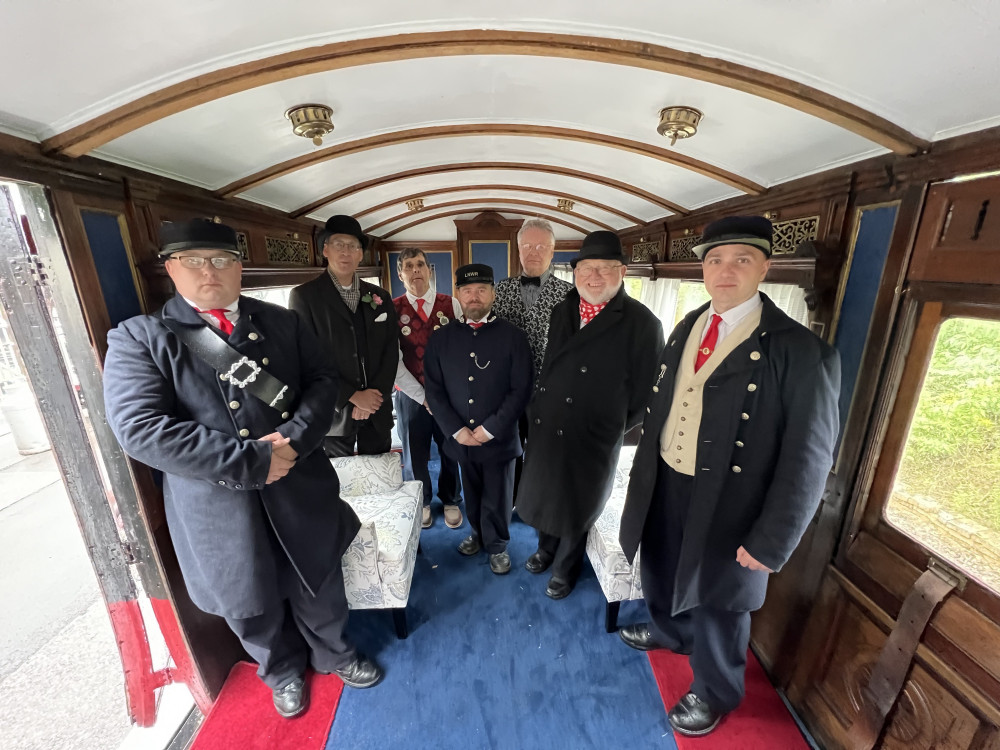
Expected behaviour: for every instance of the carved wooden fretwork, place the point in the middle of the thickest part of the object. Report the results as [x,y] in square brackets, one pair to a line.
[282,250]
[645,252]
[243,246]
[680,248]
[788,234]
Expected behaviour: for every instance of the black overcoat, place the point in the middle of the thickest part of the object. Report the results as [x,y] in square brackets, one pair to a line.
[320,304]
[479,377]
[764,454]
[593,387]
[170,410]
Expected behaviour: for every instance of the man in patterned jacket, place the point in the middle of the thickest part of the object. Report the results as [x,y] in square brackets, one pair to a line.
[419,312]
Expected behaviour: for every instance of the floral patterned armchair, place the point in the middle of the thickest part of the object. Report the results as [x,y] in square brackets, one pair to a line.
[619,580]
[378,566]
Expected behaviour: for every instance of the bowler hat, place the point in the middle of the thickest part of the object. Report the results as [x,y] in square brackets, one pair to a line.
[602,245]
[755,231]
[341,224]
[474,273]
[197,234]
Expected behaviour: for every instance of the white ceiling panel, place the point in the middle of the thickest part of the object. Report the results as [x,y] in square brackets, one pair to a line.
[444,229]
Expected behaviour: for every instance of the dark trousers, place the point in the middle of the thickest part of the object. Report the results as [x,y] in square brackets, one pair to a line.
[370,440]
[567,554]
[717,639]
[416,430]
[303,629]
[489,501]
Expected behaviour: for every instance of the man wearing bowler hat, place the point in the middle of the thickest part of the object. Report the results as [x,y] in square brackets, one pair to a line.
[230,397]
[736,448]
[477,376]
[599,365]
[356,322]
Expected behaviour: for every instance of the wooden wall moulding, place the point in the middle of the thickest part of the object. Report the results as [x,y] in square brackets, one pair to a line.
[959,237]
[489,225]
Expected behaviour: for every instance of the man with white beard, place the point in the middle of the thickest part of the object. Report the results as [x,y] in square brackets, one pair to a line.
[600,363]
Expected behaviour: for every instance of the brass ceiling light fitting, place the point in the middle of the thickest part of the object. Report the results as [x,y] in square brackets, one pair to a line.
[311,121]
[678,122]
[417,204]
[564,204]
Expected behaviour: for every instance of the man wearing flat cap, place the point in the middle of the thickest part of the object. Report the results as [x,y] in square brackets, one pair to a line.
[599,365]
[356,323]
[230,397]
[477,376]
[737,444]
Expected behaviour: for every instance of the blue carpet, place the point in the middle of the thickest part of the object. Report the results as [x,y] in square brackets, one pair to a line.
[491,662]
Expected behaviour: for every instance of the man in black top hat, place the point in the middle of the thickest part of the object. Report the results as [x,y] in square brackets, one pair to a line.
[356,322]
[477,376]
[736,447]
[599,365]
[251,502]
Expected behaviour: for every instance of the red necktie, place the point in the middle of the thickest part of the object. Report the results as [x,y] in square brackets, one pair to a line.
[420,310]
[220,315]
[588,311]
[708,343]
[474,326]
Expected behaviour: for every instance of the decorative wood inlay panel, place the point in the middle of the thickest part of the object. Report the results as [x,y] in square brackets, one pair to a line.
[478,165]
[284,250]
[211,86]
[484,188]
[788,234]
[457,212]
[680,248]
[645,252]
[482,201]
[488,129]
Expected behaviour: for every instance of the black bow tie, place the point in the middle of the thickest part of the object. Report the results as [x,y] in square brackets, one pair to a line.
[531,281]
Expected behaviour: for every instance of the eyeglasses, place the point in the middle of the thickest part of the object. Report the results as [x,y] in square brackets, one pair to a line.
[607,271]
[539,248]
[196,261]
[344,247]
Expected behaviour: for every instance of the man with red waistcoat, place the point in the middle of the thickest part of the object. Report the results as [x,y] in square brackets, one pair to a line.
[419,312]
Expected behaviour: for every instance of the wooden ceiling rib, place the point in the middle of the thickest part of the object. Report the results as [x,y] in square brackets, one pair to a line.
[452,131]
[482,188]
[460,211]
[231,80]
[481,201]
[478,165]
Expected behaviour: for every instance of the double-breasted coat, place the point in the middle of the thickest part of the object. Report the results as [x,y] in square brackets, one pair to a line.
[765,448]
[171,411]
[321,306]
[593,387]
[479,378]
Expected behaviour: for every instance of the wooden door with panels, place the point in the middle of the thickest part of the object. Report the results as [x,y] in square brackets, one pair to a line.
[902,649]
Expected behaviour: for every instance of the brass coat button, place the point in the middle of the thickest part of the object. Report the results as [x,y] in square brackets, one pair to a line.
[234,404]
[752,387]
[265,361]
[754,356]
[739,443]
[253,336]
[244,432]
[285,415]
[737,470]
[744,416]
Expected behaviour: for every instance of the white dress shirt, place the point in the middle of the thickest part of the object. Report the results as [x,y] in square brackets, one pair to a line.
[732,317]
[406,381]
[232,313]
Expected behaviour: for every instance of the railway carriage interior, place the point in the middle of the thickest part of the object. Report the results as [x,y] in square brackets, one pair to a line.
[868,133]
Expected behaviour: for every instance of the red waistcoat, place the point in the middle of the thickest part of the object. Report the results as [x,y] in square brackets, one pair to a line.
[414,332]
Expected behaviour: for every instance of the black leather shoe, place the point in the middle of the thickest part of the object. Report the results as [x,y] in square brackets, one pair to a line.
[639,637]
[361,673]
[692,717]
[558,588]
[470,546]
[538,562]
[500,563]
[292,699]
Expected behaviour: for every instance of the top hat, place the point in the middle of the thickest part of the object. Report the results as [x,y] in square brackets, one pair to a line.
[602,245]
[341,224]
[474,273]
[755,231]
[197,234]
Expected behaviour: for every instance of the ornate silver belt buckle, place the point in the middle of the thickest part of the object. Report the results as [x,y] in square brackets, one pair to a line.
[242,383]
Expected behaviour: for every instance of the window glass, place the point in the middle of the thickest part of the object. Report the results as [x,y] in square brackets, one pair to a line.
[633,286]
[947,489]
[277,295]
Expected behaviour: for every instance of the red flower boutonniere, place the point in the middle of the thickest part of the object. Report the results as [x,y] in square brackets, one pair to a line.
[372,299]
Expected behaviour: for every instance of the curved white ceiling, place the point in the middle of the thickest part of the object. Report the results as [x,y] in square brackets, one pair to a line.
[928,68]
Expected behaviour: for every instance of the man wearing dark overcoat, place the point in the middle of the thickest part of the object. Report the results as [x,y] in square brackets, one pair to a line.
[356,323]
[478,377]
[251,502]
[420,312]
[599,365]
[736,447]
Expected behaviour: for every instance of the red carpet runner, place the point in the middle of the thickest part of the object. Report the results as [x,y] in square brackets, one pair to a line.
[243,718]
[760,723]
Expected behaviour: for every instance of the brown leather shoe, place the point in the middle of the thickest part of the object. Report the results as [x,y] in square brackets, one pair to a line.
[452,516]
[426,520]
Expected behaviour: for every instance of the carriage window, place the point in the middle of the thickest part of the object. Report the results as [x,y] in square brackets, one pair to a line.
[947,489]
[277,295]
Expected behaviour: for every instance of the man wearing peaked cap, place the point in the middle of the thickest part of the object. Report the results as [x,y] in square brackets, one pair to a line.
[736,447]
[251,502]
[478,377]
[356,322]
[599,365]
